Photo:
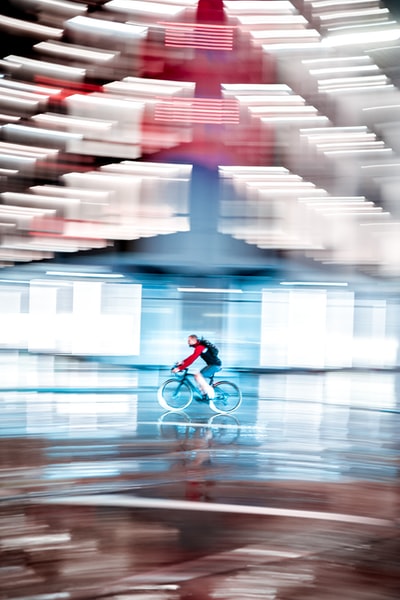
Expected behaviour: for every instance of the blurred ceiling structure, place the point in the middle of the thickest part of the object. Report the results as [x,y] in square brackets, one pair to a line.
[200,136]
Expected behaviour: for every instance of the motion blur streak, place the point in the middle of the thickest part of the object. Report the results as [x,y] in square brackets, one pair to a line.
[217,168]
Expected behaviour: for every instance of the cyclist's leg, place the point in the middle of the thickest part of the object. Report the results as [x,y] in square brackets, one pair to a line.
[207,372]
[200,384]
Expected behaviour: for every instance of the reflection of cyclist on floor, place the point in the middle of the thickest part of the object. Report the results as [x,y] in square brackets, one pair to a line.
[209,353]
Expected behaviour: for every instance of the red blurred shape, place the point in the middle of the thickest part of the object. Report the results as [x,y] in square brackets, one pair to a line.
[54,227]
[195,35]
[69,88]
[198,110]
[210,11]
[47,225]
[72,85]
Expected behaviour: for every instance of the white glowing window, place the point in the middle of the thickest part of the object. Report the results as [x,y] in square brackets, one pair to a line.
[42,317]
[96,325]
[306,328]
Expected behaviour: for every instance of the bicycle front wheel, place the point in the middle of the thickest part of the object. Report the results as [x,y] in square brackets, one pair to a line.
[174,395]
[228,397]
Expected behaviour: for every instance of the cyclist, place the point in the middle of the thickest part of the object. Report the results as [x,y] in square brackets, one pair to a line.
[209,353]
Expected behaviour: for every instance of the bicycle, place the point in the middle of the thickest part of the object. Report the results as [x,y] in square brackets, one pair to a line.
[178,392]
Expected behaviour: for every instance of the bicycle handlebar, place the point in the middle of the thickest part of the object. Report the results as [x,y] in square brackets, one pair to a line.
[183,371]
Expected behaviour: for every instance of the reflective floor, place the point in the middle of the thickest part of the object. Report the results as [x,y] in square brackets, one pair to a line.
[104,494]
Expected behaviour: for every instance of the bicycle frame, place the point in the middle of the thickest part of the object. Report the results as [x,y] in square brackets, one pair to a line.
[188,378]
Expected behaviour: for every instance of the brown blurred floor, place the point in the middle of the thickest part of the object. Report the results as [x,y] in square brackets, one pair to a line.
[294,496]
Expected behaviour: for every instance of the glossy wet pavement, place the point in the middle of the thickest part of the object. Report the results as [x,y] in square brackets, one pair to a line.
[104,494]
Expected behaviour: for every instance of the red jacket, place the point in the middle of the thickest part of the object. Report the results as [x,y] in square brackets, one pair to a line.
[197,350]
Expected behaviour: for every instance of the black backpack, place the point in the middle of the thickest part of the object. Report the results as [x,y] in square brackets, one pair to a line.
[212,349]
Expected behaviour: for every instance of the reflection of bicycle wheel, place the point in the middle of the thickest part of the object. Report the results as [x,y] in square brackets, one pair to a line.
[174,394]
[228,397]
[174,425]
[225,429]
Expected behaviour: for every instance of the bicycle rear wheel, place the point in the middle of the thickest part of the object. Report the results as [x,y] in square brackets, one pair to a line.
[228,397]
[174,394]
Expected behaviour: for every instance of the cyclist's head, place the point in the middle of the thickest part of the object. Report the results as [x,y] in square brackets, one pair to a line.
[192,339]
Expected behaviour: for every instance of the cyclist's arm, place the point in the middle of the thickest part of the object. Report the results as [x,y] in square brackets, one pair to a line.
[184,364]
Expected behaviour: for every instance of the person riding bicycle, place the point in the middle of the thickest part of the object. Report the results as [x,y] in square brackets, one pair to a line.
[209,353]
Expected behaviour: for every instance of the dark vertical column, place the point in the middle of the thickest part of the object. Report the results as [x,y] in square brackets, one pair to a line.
[207,138]
[204,198]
